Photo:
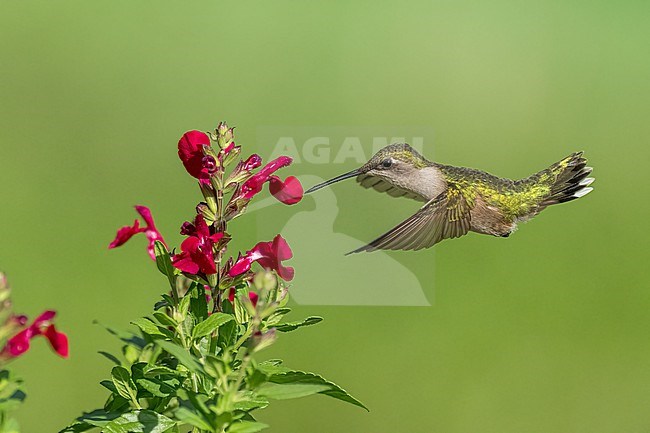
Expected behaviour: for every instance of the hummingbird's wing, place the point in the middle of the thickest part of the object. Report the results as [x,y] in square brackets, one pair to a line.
[369,181]
[443,217]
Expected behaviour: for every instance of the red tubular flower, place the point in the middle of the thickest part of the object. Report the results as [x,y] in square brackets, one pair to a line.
[252,162]
[269,255]
[190,151]
[288,192]
[196,251]
[150,231]
[251,295]
[254,185]
[20,343]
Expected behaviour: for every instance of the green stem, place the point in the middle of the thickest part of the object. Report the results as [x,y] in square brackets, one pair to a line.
[186,346]
[242,372]
[175,297]
[244,337]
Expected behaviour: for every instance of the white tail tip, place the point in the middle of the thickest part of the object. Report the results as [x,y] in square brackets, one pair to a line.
[583,192]
[587,181]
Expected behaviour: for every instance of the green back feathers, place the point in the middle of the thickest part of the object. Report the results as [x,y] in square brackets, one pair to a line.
[512,198]
[516,198]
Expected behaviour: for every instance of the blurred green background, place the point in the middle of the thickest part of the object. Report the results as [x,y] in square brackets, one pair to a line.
[544,332]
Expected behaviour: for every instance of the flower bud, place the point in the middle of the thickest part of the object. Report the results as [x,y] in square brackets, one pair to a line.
[231,155]
[265,281]
[235,208]
[237,177]
[210,197]
[281,295]
[203,209]
[188,229]
[210,164]
[225,135]
[262,340]
[252,162]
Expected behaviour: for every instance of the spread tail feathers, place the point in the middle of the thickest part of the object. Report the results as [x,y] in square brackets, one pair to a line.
[568,179]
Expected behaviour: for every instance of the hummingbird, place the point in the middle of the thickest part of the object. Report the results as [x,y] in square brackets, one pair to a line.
[458,200]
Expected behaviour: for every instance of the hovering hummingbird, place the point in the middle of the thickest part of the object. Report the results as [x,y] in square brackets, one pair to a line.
[459,200]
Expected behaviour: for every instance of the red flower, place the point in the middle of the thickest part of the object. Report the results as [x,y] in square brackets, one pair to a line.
[269,255]
[254,185]
[19,343]
[190,151]
[196,254]
[251,295]
[226,150]
[288,192]
[150,231]
[252,162]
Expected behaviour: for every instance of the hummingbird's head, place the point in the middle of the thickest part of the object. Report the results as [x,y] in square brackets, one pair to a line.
[392,163]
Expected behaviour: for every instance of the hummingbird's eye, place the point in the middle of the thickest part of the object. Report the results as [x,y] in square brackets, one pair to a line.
[386,163]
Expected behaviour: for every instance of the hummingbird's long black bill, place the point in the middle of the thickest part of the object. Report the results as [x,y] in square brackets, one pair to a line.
[344,176]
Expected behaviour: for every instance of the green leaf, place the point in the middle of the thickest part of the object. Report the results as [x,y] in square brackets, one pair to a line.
[126,337]
[197,401]
[182,355]
[184,306]
[148,327]
[10,425]
[110,357]
[158,370]
[290,390]
[164,261]
[159,388]
[292,326]
[210,324]
[277,315]
[117,404]
[11,394]
[246,427]
[13,401]
[270,363]
[166,302]
[131,353]
[96,418]
[123,383]
[214,366]
[198,302]
[186,416]
[109,385]
[247,401]
[77,427]
[283,375]
[227,334]
[137,370]
[151,352]
[140,421]
[254,376]
[164,319]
